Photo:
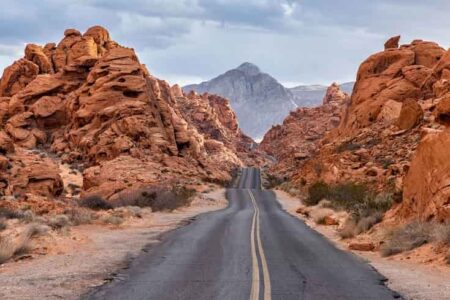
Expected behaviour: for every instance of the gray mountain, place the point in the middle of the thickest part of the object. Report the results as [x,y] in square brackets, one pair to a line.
[258,99]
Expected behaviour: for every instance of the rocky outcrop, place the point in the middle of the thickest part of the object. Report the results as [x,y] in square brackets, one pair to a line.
[392,43]
[392,135]
[426,190]
[89,102]
[408,72]
[300,136]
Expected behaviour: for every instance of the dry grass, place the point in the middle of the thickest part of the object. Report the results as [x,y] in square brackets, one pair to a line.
[79,216]
[113,220]
[8,213]
[159,198]
[319,214]
[441,233]
[11,246]
[348,230]
[407,237]
[58,222]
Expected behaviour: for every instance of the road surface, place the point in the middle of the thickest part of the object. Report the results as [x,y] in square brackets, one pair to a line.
[251,250]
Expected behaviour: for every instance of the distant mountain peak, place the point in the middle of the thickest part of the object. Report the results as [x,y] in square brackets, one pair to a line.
[249,68]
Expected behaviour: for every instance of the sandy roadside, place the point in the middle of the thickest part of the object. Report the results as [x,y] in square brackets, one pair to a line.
[86,255]
[413,281]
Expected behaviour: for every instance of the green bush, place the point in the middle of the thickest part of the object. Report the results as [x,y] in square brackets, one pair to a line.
[316,192]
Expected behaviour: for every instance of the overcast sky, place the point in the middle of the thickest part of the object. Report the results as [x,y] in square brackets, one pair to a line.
[187,41]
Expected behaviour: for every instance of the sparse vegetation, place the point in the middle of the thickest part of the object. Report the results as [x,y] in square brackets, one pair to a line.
[113,220]
[58,222]
[347,146]
[441,233]
[79,216]
[159,198]
[407,237]
[318,215]
[316,192]
[3,224]
[271,181]
[10,246]
[95,202]
[365,206]
[8,213]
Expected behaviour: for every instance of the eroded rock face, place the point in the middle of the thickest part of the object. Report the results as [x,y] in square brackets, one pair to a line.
[392,43]
[300,136]
[426,192]
[91,102]
[392,134]
[395,74]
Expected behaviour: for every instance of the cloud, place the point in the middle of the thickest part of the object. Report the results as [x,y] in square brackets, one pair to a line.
[181,40]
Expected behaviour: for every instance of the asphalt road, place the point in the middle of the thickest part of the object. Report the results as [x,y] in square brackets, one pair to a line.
[251,250]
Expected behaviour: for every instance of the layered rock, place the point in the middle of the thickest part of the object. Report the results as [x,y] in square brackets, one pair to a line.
[392,135]
[302,132]
[90,101]
[396,74]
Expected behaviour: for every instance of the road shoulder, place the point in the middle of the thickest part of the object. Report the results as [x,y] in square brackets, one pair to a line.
[88,255]
[412,280]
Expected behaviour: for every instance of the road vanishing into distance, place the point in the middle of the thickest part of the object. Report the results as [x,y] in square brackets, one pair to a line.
[253,249]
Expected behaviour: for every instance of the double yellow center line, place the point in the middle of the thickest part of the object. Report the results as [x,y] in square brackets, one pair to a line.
[255,230]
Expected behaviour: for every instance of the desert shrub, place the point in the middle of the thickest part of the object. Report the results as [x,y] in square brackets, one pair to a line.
[318,215]
[316,192]
[3,224]
[95,202]
[173,199]
[28,216]
[366,223]
[10,246]
[8,213]
[271,180]
[113,220]
[58,221]
[348,196]
[441,233]
[348,230]
[325,203]
[79,216]
[347,146]
[157,197]
[407,237]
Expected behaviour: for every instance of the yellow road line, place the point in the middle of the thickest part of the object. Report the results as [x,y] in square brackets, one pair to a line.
[266,275]
[254,295]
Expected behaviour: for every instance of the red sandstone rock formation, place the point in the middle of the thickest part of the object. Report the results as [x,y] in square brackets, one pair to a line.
[91,102]
[400,103]
[302,132]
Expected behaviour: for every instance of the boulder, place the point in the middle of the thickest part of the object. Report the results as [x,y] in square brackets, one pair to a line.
[361,246]
[392,43]
[410,115]
[442,110]
[17,76]
[36,54]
